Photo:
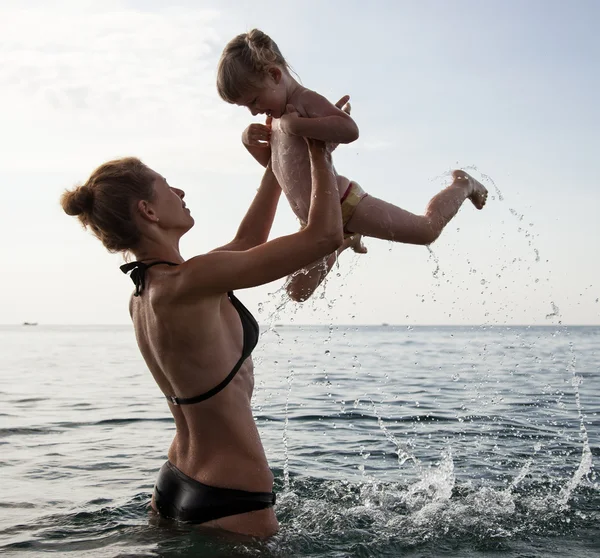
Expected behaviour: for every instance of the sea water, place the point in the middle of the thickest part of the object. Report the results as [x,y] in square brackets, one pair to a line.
[384,441]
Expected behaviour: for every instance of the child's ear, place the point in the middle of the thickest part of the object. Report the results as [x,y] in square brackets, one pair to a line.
[275,74]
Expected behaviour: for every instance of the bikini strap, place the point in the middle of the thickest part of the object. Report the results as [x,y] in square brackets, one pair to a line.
[250,328]
[138,273]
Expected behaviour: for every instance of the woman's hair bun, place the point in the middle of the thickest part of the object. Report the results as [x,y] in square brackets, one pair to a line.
[77,201]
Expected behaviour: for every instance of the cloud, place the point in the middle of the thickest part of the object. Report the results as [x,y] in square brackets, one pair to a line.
[85,54]
[78,80]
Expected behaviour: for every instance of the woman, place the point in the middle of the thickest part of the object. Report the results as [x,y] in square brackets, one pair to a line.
[196,336]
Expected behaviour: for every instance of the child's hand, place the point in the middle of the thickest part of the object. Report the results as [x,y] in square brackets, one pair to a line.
[257,135]
[344,104]
[287,122]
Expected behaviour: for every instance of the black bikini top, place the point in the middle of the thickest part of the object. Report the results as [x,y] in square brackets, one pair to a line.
[249,326]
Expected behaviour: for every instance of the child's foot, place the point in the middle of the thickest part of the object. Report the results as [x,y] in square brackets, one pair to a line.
[478,192]
[355,242]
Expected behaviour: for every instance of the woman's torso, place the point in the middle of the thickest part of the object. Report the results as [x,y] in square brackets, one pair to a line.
[190,347]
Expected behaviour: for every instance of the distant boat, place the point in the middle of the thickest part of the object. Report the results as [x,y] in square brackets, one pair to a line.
[30,323]
[384,324]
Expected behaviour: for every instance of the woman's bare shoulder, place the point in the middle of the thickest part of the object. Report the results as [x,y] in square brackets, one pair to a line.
[171,287]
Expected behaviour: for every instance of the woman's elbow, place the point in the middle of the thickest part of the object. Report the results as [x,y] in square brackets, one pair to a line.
[332,241]
[323,242]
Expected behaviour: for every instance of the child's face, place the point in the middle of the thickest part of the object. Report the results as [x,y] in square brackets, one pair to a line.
[268,97]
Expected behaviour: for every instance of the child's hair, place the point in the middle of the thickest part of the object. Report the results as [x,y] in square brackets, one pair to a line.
[105,202]
[244,63]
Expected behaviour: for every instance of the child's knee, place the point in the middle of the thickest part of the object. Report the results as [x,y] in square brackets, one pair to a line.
[297,292]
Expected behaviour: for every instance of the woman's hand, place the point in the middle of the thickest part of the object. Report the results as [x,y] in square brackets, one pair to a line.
[331,126]
[318,147]
[257,135]
[287,122]
[257,141]
[343,104]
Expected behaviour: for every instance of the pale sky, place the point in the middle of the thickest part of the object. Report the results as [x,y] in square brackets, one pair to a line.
[507,88]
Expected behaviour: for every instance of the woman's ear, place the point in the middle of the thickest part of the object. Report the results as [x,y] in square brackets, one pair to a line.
[146,211]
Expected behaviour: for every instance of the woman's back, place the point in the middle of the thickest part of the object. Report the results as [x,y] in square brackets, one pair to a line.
[191,347]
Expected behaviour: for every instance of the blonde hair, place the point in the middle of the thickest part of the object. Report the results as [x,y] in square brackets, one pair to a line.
[106,201]
[245,61]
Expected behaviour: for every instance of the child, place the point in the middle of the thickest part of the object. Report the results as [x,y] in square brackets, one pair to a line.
[253,73]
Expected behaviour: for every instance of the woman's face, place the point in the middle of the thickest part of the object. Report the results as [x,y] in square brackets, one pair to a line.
[168,205]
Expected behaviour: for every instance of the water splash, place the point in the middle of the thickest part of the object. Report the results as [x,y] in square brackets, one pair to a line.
[436,484]
[377,519]
[586,461]
[525,230]
[432,503]
[403,453]
[585,465]
[286,459]
[437,272]
[555,312]
[489,180]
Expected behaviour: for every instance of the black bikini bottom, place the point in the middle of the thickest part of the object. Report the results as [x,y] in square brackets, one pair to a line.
[180,497]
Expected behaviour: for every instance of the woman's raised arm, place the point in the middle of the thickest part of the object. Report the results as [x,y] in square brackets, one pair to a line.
[256,224]
[222,270]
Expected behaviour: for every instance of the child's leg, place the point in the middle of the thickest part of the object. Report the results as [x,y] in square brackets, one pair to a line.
[303,284]
[379,219]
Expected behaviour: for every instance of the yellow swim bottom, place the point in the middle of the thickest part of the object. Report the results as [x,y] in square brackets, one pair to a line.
[350,200]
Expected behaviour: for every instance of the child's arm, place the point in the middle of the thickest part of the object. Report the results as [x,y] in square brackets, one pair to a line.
[325,121]
[256,138]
